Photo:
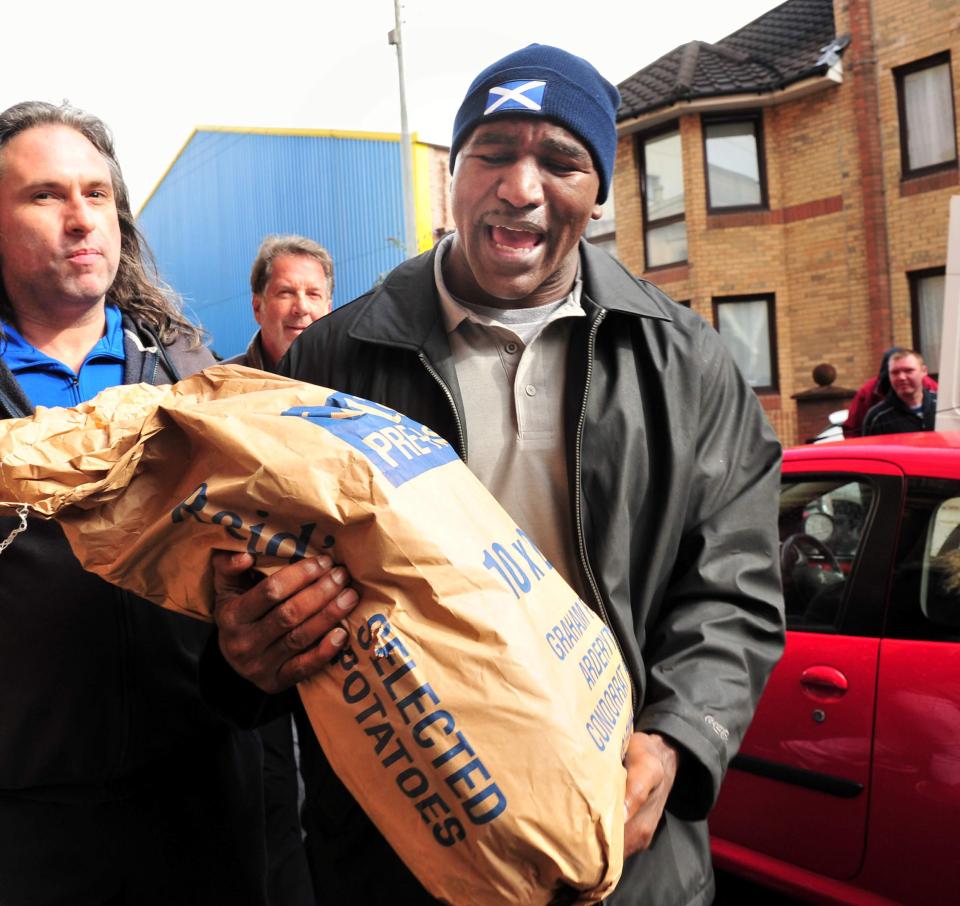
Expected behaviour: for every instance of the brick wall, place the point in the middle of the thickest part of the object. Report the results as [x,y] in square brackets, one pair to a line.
[840,233]
[796,250]
[917,209]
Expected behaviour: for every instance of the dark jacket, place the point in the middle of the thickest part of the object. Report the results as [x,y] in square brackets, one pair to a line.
[96,685]
[117,782]
[893,416]
[252,357]
[674,486]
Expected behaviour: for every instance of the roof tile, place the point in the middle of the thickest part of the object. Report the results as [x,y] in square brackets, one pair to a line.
[782,46]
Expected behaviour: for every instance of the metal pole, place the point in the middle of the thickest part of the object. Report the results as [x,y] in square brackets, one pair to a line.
[406,152]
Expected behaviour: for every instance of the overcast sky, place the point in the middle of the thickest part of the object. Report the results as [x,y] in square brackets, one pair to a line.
[154,72]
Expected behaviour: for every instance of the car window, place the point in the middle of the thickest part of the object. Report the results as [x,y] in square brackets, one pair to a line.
[925,597]
[822,522]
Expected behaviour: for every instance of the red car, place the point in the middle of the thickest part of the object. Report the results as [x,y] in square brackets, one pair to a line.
[847,786]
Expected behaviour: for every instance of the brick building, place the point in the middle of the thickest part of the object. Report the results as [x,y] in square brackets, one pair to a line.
[791,183]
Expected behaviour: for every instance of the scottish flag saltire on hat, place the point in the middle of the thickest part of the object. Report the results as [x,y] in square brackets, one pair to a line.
[546,81]
[522,94]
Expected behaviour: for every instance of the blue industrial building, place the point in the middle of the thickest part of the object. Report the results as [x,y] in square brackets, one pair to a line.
[229,188]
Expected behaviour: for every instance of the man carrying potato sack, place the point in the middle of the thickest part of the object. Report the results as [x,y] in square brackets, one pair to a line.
[118,783]
[612,426]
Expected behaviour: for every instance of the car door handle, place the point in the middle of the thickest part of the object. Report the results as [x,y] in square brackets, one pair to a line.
[823,683]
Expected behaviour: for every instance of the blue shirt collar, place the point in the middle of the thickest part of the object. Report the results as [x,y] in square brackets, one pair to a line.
[21,356]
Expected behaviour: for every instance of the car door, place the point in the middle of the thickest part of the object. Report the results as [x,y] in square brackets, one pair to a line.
[913,848]
[799,789]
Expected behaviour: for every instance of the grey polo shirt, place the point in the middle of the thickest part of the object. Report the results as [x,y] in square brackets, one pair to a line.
[511,368]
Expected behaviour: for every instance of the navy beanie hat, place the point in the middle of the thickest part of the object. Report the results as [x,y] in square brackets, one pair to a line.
[548,82]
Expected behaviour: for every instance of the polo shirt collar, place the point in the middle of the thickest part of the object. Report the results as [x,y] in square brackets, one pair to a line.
[21,356]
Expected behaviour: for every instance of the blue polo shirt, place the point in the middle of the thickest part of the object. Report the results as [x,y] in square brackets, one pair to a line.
[48,382]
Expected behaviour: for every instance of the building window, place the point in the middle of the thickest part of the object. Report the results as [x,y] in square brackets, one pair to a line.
[928,139]
[603,232]
[664,227]
[747,326]
[733,158]
[926,302]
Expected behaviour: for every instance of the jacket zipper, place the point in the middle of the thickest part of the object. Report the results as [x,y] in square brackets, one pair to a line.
[461,434]
[578,508]
[581,543]
[7,406]
[126,691]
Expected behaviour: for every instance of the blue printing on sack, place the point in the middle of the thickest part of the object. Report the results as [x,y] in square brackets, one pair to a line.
[398,446]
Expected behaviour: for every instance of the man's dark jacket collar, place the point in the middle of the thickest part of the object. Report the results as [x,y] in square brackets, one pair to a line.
[392,318]
[929,399]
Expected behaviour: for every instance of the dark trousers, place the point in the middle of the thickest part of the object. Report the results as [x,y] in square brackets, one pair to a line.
[288,876]
[191,835]
[350,861]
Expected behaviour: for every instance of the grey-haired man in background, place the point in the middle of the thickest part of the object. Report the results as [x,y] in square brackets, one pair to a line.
[291,282]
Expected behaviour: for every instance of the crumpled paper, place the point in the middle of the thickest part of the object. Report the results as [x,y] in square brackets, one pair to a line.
[480,711]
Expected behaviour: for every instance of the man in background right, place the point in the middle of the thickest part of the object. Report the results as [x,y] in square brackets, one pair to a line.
[909,406]
[874,390]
